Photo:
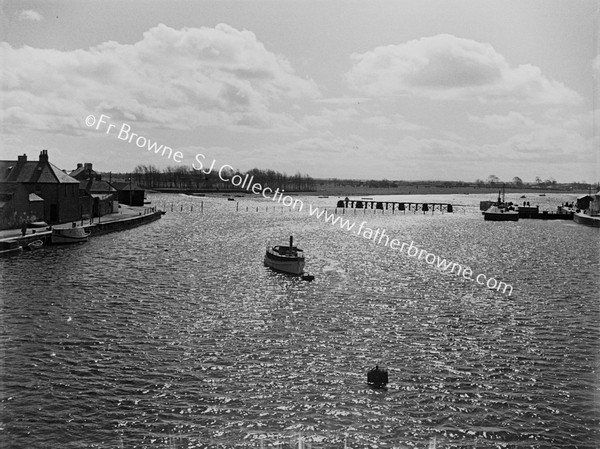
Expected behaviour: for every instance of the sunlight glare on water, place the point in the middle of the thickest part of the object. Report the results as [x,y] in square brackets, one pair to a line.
[174,334]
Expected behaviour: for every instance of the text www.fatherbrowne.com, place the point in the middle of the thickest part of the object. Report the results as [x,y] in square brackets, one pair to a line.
[380,237]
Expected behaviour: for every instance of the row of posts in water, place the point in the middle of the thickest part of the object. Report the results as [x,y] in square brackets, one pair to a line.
[395,207]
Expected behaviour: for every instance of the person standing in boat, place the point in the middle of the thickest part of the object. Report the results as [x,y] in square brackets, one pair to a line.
[24,228]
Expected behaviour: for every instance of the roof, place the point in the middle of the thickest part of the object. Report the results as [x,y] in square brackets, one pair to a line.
[584,196]
[125,186]
[33,172]
[77,171]
[96,186]
[84,172]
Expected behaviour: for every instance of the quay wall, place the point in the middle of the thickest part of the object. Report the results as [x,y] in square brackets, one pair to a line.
[101,228]
[122,224]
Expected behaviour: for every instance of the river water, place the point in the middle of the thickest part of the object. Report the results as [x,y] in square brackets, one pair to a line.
[174,334]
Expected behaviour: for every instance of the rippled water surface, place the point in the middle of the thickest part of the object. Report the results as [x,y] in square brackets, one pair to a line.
[175,335]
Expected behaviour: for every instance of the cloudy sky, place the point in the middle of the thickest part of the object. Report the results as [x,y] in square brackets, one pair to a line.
[398,89]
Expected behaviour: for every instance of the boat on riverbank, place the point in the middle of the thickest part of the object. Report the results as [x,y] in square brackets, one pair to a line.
[500,213]
[500,210]
[285,259]
[75,234]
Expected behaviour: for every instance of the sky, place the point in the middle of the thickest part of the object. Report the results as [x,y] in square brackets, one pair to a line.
[396,89]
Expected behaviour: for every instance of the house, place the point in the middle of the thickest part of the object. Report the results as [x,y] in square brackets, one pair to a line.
[57,192]
[583,202]
[97,197]
[129,193]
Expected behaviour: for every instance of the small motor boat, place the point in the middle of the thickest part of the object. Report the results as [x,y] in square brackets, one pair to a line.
[286,259]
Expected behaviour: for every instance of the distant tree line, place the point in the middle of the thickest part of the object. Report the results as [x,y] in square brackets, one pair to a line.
[492,181]
[274,179]
[549,183]
[181,177]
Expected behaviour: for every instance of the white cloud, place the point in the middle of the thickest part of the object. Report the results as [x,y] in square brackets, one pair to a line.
[511,120]
[29,14]
[393,122]
[176,78]
[552,145]
[328,117]
[448,67]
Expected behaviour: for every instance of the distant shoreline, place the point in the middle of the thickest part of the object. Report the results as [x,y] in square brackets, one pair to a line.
[351,191]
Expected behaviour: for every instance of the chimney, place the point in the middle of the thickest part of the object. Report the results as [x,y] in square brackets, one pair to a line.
[22,158]
[44,156]
[79,165]
[88,166]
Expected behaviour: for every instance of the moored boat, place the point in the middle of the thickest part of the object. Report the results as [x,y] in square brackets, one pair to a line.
[501,213]
[37,224]
[500,210]
[36,244]
[286,259]
[75,234]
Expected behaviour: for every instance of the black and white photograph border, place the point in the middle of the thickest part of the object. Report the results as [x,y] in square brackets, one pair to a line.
[299,224]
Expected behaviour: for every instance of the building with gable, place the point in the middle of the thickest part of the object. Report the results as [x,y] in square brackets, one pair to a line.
[36,191]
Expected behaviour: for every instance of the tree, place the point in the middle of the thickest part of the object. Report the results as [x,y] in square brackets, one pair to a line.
[517,181]
[493,179]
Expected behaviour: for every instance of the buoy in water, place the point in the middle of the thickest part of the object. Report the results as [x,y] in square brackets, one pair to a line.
[377,377]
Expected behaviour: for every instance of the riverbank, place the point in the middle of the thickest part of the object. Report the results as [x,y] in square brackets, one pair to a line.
[128,217]
[429,189]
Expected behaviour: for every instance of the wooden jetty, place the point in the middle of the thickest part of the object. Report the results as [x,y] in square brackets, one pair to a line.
[401,206]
